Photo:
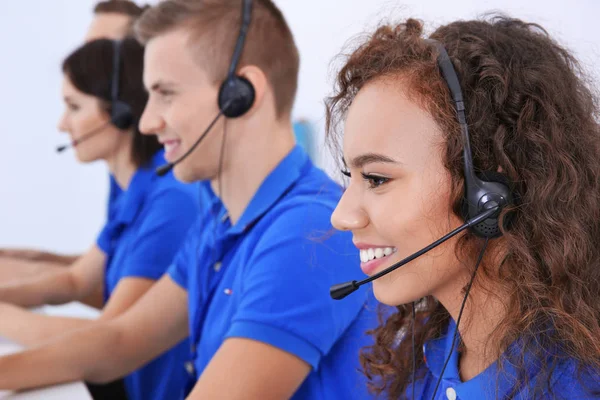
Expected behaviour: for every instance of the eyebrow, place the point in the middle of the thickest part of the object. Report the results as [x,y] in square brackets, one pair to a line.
[369,158]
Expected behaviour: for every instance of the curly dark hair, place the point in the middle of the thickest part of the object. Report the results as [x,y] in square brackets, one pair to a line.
[532,114]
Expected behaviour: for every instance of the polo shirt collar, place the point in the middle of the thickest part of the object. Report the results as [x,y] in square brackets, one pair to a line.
[275,185]
[130,201]
[492,380]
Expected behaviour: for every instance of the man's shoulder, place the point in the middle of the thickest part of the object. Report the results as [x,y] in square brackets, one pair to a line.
[313,189]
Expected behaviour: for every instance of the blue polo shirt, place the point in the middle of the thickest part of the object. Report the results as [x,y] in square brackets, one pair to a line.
[496,382]
[146,225]
[267,278]
[114,190]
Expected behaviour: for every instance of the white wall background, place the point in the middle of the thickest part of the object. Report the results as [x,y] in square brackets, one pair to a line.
[50,201]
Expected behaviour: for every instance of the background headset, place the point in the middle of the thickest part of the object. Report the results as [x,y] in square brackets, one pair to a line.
[121,115]
[485,196]
[236,93]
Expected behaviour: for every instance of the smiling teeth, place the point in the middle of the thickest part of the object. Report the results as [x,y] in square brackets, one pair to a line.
[171,145]
[373,253]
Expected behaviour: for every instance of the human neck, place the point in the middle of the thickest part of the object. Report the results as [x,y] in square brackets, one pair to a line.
[121,166]
[482,314]
[252,153]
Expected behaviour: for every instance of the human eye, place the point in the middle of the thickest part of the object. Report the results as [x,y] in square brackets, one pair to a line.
[374,180]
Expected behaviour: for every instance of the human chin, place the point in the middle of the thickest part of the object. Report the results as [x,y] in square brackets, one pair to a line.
[186,171]
[183,173]
[400,287]
[87,154]
[84,158]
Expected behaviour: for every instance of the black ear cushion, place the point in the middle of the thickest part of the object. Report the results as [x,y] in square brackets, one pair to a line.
[121,115]
[236,96]
[493,176]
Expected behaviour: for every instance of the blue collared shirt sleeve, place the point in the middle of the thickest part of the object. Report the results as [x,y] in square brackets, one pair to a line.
[166,220]
[285,300]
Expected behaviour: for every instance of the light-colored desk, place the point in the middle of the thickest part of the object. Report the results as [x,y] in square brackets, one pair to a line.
[70,391]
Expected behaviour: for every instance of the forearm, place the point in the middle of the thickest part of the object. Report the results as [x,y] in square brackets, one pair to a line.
[95,298]
[52,288]
[37,255]
[65,260]
[110,349]
[35,368]
[92,355]
[12,269]
[31,329]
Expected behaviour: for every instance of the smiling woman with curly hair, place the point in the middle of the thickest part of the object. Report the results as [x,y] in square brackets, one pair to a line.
[530,327]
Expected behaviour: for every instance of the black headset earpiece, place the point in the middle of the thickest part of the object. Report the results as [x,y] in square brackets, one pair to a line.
[496,184]
[236,94]
[120,112]
[489,189]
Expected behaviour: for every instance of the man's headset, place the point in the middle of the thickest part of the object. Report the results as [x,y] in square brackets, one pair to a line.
[121,115]
[236,94]
[485,197]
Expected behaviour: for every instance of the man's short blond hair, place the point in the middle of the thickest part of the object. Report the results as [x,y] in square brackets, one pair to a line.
[214,27]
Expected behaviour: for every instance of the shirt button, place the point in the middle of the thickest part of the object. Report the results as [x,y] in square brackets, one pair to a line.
[451,393]
[189,367]
[217,266]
